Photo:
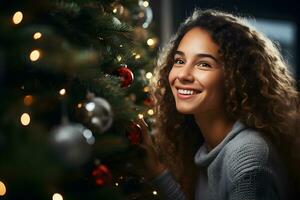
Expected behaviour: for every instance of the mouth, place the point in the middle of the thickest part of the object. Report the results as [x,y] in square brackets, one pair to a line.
[182,91]
[185,94]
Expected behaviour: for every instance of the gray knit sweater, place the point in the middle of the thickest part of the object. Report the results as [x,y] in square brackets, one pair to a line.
[244,166]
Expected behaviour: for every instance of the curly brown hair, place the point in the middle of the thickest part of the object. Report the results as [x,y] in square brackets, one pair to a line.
[259,90]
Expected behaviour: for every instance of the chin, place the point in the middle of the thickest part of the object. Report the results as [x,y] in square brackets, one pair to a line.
[185,110]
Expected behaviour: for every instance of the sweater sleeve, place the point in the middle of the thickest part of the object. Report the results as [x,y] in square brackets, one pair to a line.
[169,189]
[257,184]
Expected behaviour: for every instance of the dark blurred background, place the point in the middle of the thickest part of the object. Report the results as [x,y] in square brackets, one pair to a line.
[279,20]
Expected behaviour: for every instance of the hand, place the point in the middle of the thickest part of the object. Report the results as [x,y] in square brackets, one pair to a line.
[152,164]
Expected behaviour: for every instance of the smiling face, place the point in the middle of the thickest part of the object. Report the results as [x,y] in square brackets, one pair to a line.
[196,77]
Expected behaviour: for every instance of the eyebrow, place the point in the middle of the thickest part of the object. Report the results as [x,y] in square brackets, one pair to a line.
[200,55]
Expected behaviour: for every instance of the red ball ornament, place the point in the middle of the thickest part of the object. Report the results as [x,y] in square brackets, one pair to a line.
[149,102]
[126,76]
[102,175]
[134,133]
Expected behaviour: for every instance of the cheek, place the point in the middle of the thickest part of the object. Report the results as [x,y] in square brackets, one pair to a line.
[213,82]
[218,90]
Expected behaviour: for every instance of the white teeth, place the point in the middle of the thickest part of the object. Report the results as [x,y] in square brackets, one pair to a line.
[186,92]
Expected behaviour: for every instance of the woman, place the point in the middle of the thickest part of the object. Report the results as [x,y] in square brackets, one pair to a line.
[225,114]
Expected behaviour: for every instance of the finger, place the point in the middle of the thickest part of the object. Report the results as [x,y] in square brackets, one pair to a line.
[143,124]
[145,132]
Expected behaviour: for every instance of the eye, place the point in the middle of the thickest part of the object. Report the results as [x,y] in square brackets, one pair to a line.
[202,64]
[178,61]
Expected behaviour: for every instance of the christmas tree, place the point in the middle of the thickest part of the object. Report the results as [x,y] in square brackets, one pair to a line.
[74,76]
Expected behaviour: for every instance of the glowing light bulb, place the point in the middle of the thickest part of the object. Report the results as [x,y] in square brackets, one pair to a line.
[62,91]
[119,58]
[150,42]
[25,119]
[154,192]
[2,189]
[57,196]
[141,116]
[79,105]
[17,17]
[115,10]
[35,55]
[37,35]
[149,75]
[117,184]
[137,56]
[150,112]
[146,89]
[145,3]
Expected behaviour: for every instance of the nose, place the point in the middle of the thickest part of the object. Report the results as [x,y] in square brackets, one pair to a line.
[186,74]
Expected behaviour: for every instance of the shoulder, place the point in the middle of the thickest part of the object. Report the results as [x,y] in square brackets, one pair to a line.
[251,165]
[248,151]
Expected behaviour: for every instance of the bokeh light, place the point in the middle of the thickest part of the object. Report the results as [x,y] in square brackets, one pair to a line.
[62,91]
[2,189]
[28,99]
[141,116]
[35,55]
[17,17]
[37,35]
[137,56]
[150,112]
[57,196]
[150,42]
[145,3]
[25,119]
[149,75]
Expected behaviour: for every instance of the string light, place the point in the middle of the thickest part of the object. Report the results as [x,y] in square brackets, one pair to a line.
[28,99]
[149,75]
[119,58]
[146,89]
[17,17]
[141,116]
[25,119]
[57,196]
[118,9]
[145,3]
[154,192]
[37,35]
[150,42]
[62,91]
[137,56]
[150,112]
[117,184]
[35,55]
[79,105]
[2,189]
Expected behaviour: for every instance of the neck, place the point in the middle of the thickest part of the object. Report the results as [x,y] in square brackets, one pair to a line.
[214,127]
